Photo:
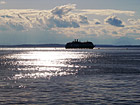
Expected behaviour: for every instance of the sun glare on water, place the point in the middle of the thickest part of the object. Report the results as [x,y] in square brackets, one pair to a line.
[44,63]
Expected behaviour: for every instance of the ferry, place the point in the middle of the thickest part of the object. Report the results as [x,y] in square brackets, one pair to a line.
[81,45]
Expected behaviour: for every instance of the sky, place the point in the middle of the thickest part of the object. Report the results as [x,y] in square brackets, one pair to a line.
[114,22]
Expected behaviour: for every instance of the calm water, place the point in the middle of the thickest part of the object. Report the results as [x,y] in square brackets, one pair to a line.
[56,76]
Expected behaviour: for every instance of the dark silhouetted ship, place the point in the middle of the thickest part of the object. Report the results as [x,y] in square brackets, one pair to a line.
[80,45]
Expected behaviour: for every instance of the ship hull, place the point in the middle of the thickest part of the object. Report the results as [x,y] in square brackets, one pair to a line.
[79,45]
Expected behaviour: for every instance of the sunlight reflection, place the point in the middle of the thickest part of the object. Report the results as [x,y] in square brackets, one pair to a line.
[45,64]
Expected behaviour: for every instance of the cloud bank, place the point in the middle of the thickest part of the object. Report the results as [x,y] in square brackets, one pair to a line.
[66,16]
[60,17]
[105,12]
[71,22]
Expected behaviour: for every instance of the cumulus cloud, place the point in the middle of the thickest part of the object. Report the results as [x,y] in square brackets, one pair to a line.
[114,20]
[63,10]
[62,17]
[11,20]
[59,17]
[65,16]
[61,23]
[66,20]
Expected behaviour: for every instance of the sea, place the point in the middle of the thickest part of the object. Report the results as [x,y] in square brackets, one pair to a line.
[59,76]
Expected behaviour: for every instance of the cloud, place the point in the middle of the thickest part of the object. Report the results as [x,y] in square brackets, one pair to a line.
[16,26]
[104,12]
[68,21]
[2,2]
[65,16]
[114,20]
[63,10]
[96,21]
[61,23]
[12,19]
[83,19]
[23,20]
[6,16]
[134,21]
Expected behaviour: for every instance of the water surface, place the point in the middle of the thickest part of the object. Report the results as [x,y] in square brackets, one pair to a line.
[69,76]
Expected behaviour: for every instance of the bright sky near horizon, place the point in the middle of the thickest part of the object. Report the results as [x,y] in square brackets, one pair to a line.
[60,21]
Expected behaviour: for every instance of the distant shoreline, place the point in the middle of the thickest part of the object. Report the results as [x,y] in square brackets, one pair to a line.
[34,45]
[62,45]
